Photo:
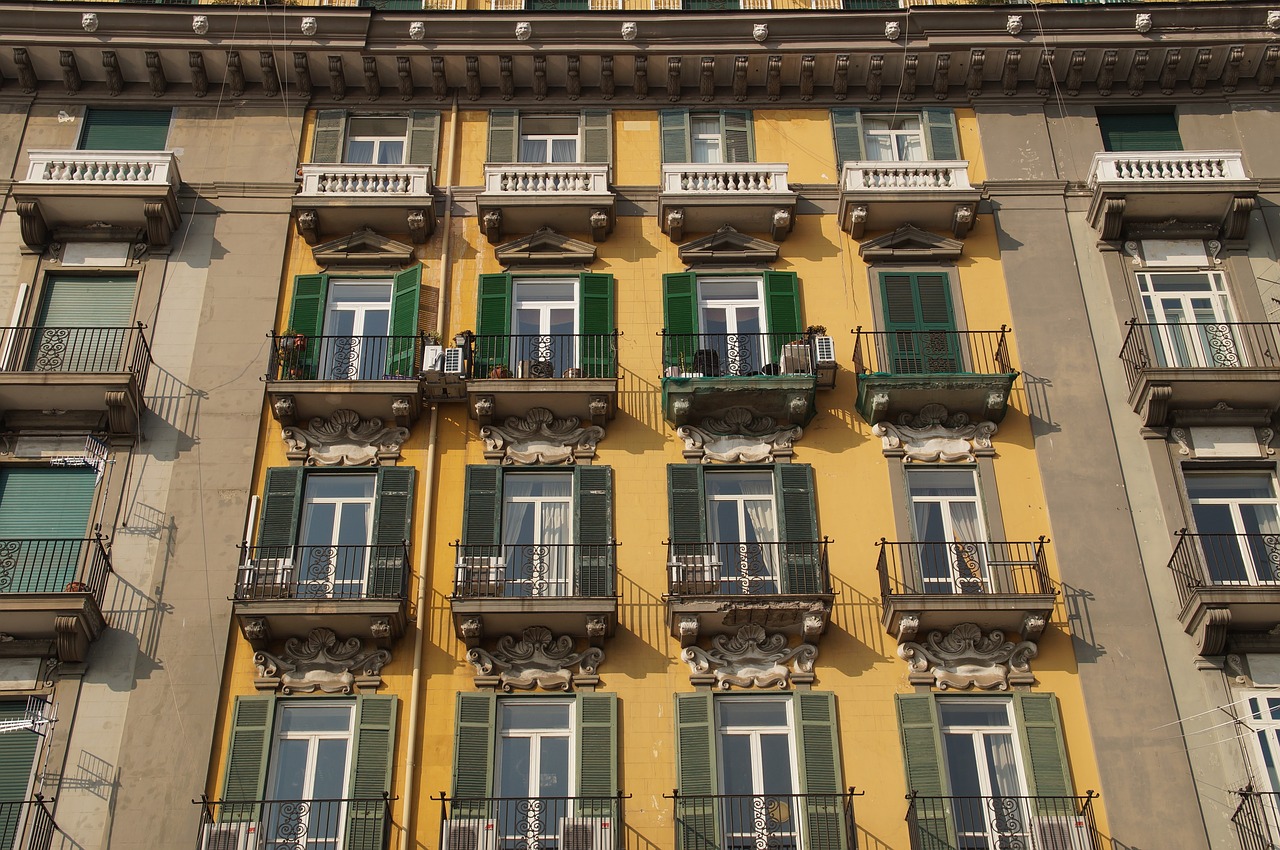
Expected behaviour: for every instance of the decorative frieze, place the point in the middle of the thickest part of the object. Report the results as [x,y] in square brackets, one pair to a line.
[739,437]
[935,435]
[752,658]
[540,438]
[322,663]
[536,660]
[344,439]
[966,658]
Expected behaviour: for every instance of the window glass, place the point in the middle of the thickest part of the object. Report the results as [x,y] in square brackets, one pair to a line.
[548,138]
[742,526]
[950,536]
[758,765]
[982,763]
[732,317]
[705,135]
[893,138]
[377,140]
[544,327]
[1262,718]
[537,534]
[356,326]
[337,527]
[1237,521]
[535,760]
[1190,314]
[310,760]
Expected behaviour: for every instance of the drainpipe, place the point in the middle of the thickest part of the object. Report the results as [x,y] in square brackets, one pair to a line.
[420,636]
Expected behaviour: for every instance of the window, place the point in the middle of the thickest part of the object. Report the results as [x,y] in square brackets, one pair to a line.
[920,323]
[125,129]
[546,326]
[549,138]
[733,324]
[537,533]
[530,137]
[82,325]
[1238,523]
[949,530]
[44,522]
[376,140]
[1191,318]
[410,139]
[1143,131]
[982,761]
[18,751]
[926,134]
[1262,719]
[757,759]
[710,137]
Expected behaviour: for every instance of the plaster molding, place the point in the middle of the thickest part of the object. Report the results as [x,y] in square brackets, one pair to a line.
[536,660]
[1239,673]
[540,438]
[935,435]
[362,249]
[752,658]
[909,242]
[545,247]
[344,439]
[726,245]
[321,663]
[738,437]
[966,658]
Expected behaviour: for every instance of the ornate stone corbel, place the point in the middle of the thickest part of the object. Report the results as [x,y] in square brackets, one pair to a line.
[1209,629]
[673,78]
[773,78]
[439,82]
[962,219]
[26,73]
[813,624]
[1138,72]
[1235,666]
[1265,76]
[858,221]
[1169,73]
[1236,221]
[1230,78]
[1075,72]
[155,73]
[1265,436]
[344,439]
[235,74]
[750,659]
[506,78]
[598,409]
[640,77]
[482,406]
[966,658]
[337,78]
[840,77]
[973,83]
[1044,72]
[1156,406]
[675,223]
[536,660]
[270,76]
[908,625]
[597,630]
[942,76]
[935,435]
[1200,70]
[35,233]
[879,405]
[285,409]
[707,79]
[573,77]
[601,224]
[162,218]
[70,70]
[402,411]
[739,436]
[1182,437]
[1107,72]
[419,224]
[807,63]
[256,630]
[606,78]
[875,76]
[302,74]
[492,223]
[1009,77]
[372,84]
[111,69]
[1112,219]
[121,417]
[687,629]
[380,628]
[1033,626]
[321,663]
[199,77]
[70,638]
[540,438]
[472,629]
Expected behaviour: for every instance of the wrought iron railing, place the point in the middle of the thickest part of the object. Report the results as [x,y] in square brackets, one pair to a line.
[543,356]
[298,357]
[1243,560]
[716,355]
[55,566]
[748,569]
[532,823]
[323,572]
[1208,345]
[1257,820]
[535,570]
[932,352]
[988,823]
[333,824]
[773,821]
[963,568]
[27,824]
[96,350]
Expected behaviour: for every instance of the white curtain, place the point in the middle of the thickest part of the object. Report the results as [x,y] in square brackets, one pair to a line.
[762,522]
[970,560]
[556,530]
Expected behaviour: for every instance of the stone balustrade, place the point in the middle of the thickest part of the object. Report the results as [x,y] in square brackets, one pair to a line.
[1191,166]
[158,168]
[923,176]
[730,178]
[585,178]
[365,180]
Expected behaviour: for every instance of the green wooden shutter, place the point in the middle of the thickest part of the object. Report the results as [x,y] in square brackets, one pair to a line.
[782,305]
[306,318]
[802,571]
[595,291]
[593,527]
[371,758]
[688,504]
[697,824]
[17,757]
[919,302]
[922,755]
[482,506]
[402,347]
[53,504]
[392,515]
[281,504]
[818,747]
[504,136]
[598,755]
[424,135]
[674,129]
[597,135]
[941,139]
[245,777]
[125,129]
[1043,749]
[680,319]
[326,144]
[1143,131]
[846,125]
[739,142]
[473,755]
[493,324]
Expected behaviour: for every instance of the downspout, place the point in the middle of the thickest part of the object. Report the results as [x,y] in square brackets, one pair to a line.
[419,640]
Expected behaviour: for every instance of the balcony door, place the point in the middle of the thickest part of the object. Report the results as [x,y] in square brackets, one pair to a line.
[18,749]
[334,538]
[376,140]
[309,765]
[758,775]
[742,525]
[1192,317]
[984,766]
[545,323]
[1262,718]
[893,138]
[537,533]
[82,325]
[950,535]
[732,316]
[44,517]
[1236,516]
[535,762]
[549,138]
[920,323]
[357,325]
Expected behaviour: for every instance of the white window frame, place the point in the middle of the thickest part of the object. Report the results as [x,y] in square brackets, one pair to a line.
[336,357]
[955,548]
[1237,520]
[338,811]
[753,733]
[304,573]
[545,348]
[894,134]
[550,565]
[713,142]
[377,140]
[976,733]
[755,563]
[542,828]
[759,354]
[1189,346]
[549,139]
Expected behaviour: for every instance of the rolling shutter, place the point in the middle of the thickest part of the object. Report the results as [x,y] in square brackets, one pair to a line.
[680,319]
[98,312]
[246,771]
[1144,131]
[278,529]
[17,757]
[370,778]
[697,827]
[504,138]
[922,755]
[593,525]
[597,135]
[818,746]
[802,572]
[424,135]
[940,136]
[52,504]
[597,754]
[482,506]
[493,323]
[326,144]
[846,125]
[688,508]
[473,755]
[125,129]
[597,326]
[739,144]
[674,129]
[392,515]
[402,347]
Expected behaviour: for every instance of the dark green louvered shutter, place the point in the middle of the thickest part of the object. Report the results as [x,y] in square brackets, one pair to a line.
[922,755]
[306,318]
[281,503]
[245,777]
[424,136]
[17,756]
[53,504]
[402,347]
[941,139]
[371,758]
[818,744]
[473,755]
[125,129]
[674,129]
[482,506]
[598,342]
[914,303]
[802,567]
[392,515]
[782,304]
[326,144]
[1042,746]
[593,524]
[680,319]
[688,508]
[597,135]
[697,824]
[739,142]
[493,324]
[504,136]
[846,125]
[1143,131]
[598,755]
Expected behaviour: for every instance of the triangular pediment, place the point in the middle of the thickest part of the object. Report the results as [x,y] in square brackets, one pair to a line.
[363,249]
[909,242]
[545,247]
[727,245]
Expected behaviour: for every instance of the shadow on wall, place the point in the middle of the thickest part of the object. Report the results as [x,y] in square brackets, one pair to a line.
[643,612]
[133,611]
[642,400]
[859,615]
[1076,601]
[1036,390]
[868,841]
[173,411]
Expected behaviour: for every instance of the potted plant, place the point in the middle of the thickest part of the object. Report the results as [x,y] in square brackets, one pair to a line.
[291,340]
[500,371]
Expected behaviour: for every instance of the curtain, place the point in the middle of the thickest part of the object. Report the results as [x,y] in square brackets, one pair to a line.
[556,531]
[762,525]
[970,559]
[1262,520]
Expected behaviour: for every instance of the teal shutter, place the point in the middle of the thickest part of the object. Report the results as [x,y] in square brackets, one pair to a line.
[802,572]
[697,824]
[674,130]
[306,319]
[922,755]
[1042,746]
[125,129]
[504,136]
[846,125]
[403,344]
[392,515]
[941,139]
[473,755]
[593,524]
[493,324]
[688,508]
[17,758]
[739,142]
[326,144]
[281,504]
[482,506]
[913,303]
[252,722]
[424,135]
[49,508]
[782,305]
[818,746]
[370,779]
[598,343]
[1144,131]
[680,319]
[597,135]
[99,311]
[598,756]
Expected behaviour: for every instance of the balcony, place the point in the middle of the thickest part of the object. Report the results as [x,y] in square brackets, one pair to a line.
[27,824]
[781,821]
[65,191]
[1257,820]
[505,588]
[770,374]
[934,195]
[280,824]
[1204,194]
[1182,374]
[376,376]
[545,823]
[286,591]
[334,200]
[927,587]
[51,593]
[716,588]
[568,374]
[1227,584]
[751,197]
[567,197]
[1033,823]
[899,372]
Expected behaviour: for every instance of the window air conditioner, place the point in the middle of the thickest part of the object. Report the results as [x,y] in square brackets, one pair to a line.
[1061,832]
[269,578]
[587,834]
[470,834]
[825,347]
[432,358]
[452,361]
[482,575]
[236,835]
[694,574]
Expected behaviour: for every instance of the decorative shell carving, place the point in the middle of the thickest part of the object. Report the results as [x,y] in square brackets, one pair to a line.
[751,659]
[966,658]
[321,663]
[344,439]
[537,660]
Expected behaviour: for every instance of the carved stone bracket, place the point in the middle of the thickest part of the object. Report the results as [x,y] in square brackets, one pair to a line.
[321,663]
[1209,629]
[739,437]
[307,225]
[344,439]
[536,660]
[491,221]
[71,637]
[966,658]
[934,435]
[752,658]
[122,417]
[601,224]
[540,438]
[421,223]
[35,232]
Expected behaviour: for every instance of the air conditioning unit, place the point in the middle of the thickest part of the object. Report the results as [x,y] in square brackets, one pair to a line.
[825,351]
[587,834]
[453,361]
[237,835]
[470,834]
[432,358]
[696,574]
[269,578]
[796,359]
[1062,832]
[481,575]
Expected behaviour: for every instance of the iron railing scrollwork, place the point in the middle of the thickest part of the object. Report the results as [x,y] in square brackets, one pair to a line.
[720,355]
[324,572]
[542,356]
[298,357]
[533,823]
[764,821]
[1245,560]
[27,824]
[932,352]
[92,350]
[74,565]
[748,569]
[535,570]
[1006,822]
[317,824]
[1203,345]
[963,568]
